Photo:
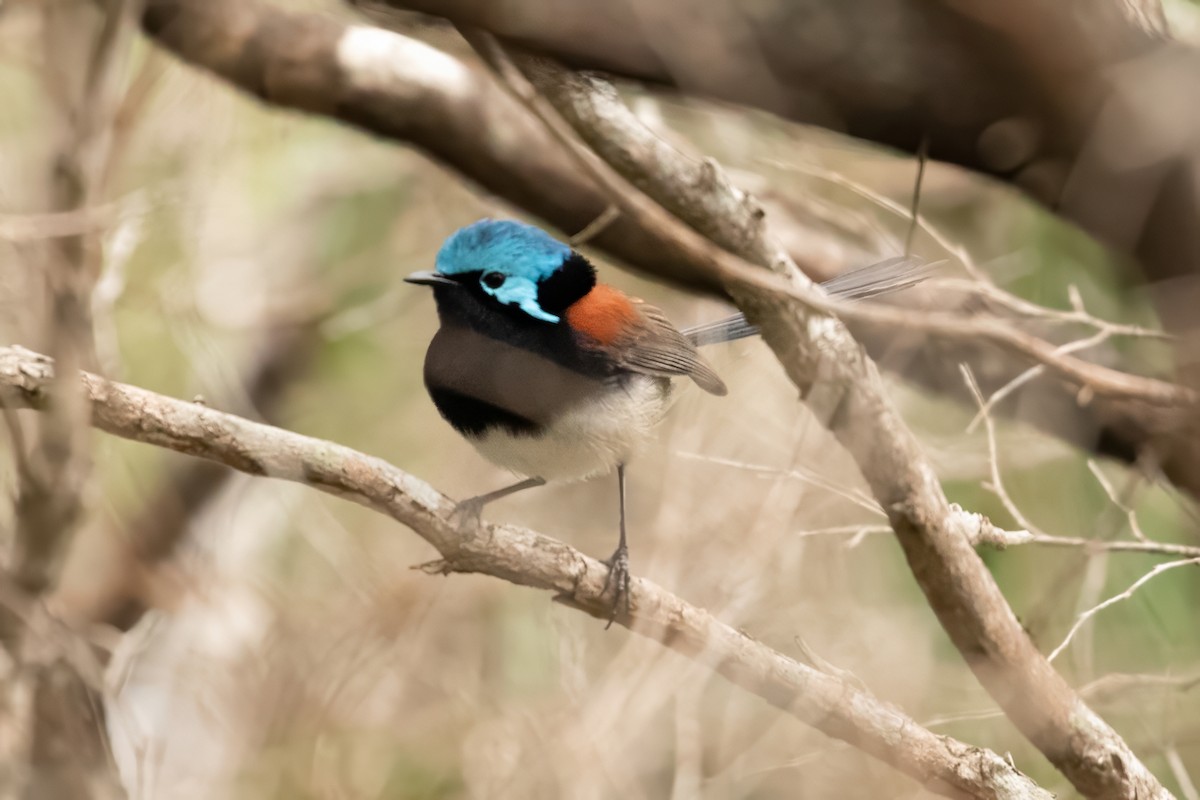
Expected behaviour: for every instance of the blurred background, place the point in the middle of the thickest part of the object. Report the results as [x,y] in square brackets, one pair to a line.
[265,640]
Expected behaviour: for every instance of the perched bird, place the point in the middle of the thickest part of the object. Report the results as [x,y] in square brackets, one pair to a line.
[556,376]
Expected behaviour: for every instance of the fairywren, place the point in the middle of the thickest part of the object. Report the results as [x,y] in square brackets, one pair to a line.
[557,377]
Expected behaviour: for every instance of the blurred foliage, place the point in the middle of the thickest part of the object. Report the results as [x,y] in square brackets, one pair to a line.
[302,657]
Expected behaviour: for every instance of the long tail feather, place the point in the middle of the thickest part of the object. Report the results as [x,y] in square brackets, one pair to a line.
[882,277]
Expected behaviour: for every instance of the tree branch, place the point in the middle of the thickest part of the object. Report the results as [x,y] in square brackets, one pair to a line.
[834,374]
[828,702]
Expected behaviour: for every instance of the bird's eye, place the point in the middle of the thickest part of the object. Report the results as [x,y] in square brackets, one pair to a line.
[493,280]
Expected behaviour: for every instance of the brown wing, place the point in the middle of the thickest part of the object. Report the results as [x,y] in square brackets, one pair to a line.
[656,347]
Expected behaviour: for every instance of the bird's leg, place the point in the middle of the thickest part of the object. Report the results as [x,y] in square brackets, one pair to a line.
[467,512]
[618,563]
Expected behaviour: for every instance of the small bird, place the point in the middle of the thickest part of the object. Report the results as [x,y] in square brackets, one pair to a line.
[558,377]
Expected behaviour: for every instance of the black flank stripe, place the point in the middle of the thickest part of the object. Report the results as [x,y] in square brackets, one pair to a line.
[472,417]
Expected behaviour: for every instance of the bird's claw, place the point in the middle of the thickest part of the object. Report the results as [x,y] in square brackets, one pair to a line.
[618,578]
[467,514]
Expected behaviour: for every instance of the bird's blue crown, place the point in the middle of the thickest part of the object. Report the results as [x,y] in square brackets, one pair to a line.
[523,254]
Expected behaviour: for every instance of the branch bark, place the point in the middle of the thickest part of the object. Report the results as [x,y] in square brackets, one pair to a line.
[833,373]
[828,702]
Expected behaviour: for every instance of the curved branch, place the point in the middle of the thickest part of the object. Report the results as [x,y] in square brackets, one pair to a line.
[828,702]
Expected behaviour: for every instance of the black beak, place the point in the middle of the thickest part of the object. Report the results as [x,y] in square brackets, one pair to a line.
[426,278]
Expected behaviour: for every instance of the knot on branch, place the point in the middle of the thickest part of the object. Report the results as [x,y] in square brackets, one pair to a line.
[980,530]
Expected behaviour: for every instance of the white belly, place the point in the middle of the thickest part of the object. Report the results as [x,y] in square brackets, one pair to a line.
[588,439]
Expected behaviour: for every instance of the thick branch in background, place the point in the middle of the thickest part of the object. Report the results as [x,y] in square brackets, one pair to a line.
[830,703]
[402,89]
[1024,93]
[832,372]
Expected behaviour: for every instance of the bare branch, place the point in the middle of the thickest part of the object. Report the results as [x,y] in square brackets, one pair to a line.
[1135,527]
[1102,546]
[827,702]
[1005,539]
[1117,684]
[1108,689]
[1179,770]
[996,486]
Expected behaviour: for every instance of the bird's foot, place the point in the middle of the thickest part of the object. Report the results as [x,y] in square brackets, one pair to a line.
[468,513]
[618,578]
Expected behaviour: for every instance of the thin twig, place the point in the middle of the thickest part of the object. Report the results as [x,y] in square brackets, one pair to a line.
[799,473]
[1033,372]
[997,483]
[1186,786]
[1144,545]
[980,283]
[1125,595]
[596,226]
[1116,684]
[1149,548]
[1135,527]
[1102,546]
[915,209]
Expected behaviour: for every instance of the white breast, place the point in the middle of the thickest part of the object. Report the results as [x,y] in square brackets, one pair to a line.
[589,438]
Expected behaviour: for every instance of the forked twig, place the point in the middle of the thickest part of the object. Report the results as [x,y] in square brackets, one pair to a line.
[1082,619]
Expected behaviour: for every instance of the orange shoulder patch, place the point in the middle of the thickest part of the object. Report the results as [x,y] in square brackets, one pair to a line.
[604,314]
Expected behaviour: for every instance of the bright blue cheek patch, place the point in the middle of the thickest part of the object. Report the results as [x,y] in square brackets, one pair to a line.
[521,292]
